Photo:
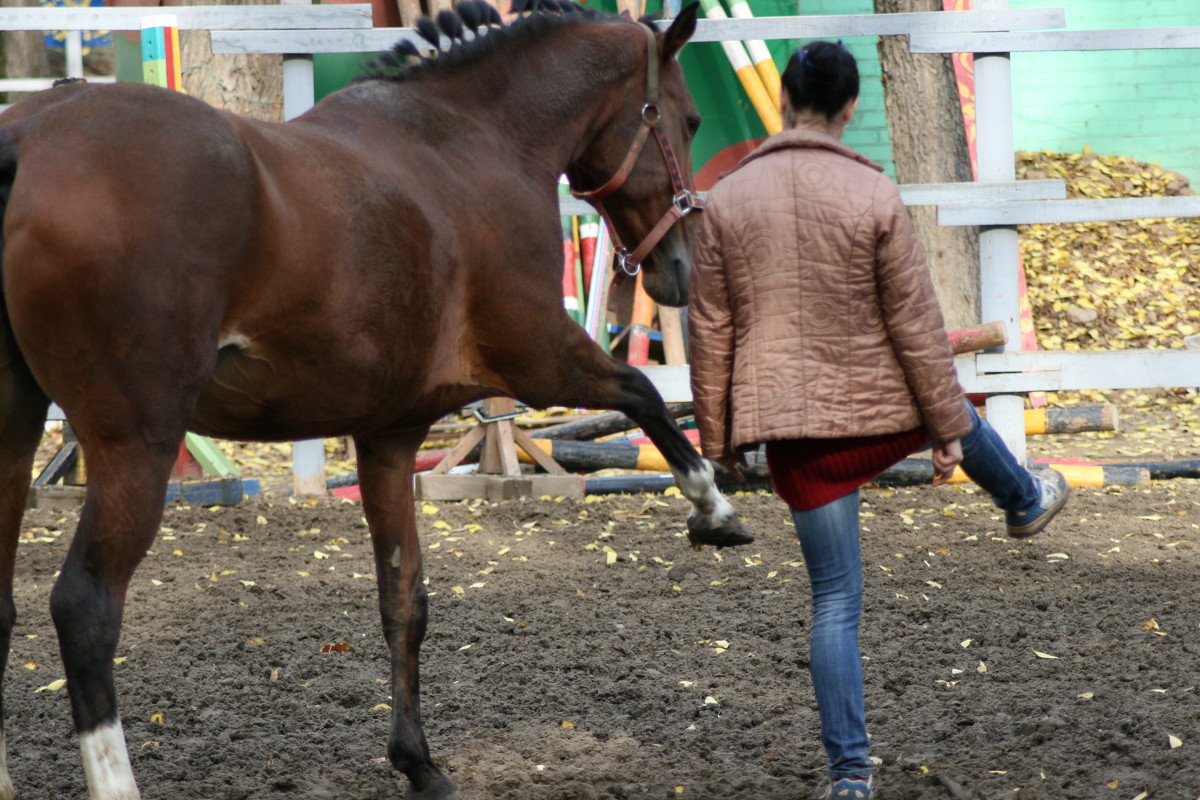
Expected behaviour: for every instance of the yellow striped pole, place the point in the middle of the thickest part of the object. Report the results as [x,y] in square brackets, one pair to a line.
[1072,419]
[1090,475]
[739,59]
[759,54]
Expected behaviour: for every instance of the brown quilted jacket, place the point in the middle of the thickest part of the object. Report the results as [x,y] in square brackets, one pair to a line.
[812,312]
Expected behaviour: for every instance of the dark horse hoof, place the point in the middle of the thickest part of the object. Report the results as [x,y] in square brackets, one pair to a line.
[728,532]
[437,787]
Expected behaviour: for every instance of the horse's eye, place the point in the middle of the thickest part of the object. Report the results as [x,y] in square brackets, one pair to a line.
[693,125]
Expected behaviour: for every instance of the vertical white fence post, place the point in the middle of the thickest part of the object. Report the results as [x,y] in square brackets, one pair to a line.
[308,456]
[74,52]
[298,87]
[999,254]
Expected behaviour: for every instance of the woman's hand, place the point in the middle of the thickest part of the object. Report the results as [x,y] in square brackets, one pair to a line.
[946,457]
[734,462]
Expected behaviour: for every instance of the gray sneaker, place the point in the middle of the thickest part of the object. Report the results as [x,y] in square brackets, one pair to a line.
[848,789]
[1054,491]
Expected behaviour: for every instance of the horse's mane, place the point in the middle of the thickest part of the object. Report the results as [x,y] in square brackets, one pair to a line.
[476,31]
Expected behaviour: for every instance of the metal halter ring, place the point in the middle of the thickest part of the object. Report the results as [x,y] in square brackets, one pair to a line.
[621,257]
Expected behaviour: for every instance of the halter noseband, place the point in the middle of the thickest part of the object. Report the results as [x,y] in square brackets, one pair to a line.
[683,201]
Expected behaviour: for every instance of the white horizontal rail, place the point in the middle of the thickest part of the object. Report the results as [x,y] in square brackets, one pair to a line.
[40,84]
[822,26]
[936,194]
[190,17]
[1016,372]
[1056,370]
[1069,211]
[1042,41]
[707,30]
[929,194]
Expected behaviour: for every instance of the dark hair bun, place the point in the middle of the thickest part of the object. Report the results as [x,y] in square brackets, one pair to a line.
[821,77]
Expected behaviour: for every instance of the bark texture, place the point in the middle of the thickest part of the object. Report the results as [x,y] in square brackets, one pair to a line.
[249,85]
[25,53]
[929,145]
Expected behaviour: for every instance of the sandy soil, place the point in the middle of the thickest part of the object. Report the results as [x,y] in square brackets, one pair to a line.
[582,650]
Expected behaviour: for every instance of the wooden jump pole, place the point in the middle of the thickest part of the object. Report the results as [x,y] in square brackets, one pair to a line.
[759,54]
[570,286]
[1072,419]
[978,337]
[768,111]
[596,311]
[638,347]
[160,52]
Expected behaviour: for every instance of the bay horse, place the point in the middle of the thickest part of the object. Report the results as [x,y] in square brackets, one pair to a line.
[364,269]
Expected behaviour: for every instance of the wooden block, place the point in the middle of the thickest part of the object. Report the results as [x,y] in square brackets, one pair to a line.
[497,487]
[978,337]
[450,487]
[59,498]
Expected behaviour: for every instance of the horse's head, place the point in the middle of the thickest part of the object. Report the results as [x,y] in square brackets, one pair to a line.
[648,198]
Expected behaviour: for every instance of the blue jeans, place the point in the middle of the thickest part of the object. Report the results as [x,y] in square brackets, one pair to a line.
[988,462]
[829,539]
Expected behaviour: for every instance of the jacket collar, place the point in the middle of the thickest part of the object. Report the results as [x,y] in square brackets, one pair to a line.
[806,138]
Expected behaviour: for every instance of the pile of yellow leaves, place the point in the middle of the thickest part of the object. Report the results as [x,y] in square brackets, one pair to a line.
[1111,285]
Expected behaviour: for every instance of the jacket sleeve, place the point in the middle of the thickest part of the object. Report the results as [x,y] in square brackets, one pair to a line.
[710,340]
[914,319]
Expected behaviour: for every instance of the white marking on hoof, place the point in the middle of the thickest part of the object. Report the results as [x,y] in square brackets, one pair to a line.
[106,764]
[699,487]
[6,786]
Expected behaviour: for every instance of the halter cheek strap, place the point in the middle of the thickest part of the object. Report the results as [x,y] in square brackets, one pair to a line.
[683,200]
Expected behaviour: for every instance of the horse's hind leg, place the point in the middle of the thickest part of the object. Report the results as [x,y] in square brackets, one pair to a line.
[22,414]
[385,467]
[127,479]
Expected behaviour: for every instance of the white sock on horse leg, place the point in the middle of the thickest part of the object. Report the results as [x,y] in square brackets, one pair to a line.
[106,764]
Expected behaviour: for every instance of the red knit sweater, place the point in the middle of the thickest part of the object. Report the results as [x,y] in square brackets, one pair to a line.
[808,473]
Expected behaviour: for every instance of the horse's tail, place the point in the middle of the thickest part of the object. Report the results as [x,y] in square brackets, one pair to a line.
[9,152]
[8,175]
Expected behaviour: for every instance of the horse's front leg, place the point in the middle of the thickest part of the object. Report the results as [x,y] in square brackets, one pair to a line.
[126,488]
[712,520]
[22,414]
[595,380]
[385,475]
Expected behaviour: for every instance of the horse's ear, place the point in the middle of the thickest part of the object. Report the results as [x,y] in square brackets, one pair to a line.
[682,28]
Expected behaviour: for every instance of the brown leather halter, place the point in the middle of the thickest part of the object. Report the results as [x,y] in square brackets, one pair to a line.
[683,201]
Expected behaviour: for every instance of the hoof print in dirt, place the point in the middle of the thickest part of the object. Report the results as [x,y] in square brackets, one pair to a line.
[731,533]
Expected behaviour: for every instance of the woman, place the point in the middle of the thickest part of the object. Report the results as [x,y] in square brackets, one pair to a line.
[814,328]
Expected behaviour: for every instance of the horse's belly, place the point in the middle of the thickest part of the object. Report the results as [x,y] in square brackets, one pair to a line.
[257,391]
[254,394]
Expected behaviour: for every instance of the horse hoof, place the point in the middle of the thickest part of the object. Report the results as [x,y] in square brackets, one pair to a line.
[727,533]
[437,788]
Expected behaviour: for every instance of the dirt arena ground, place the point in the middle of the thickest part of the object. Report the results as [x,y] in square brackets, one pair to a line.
[583,650]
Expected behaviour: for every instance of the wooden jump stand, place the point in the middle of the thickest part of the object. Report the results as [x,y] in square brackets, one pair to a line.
[499,476]
[202,474]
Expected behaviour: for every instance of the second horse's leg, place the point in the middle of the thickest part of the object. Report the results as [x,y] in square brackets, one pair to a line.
[126,489]
[22,414]
[385,467]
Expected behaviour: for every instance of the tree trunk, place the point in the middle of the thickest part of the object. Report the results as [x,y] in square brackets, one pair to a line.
[251,85]
[929,145]
[25,53]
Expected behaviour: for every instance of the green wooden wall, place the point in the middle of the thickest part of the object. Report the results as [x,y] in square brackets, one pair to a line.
[1143,104]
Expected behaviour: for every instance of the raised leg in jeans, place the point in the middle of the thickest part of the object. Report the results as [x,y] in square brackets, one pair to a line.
[989,462]
[829,539]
